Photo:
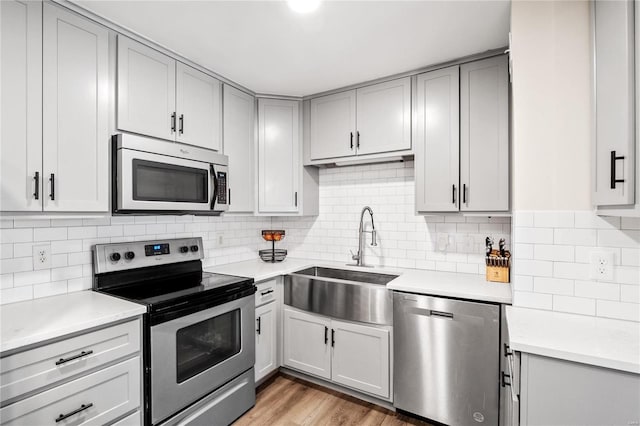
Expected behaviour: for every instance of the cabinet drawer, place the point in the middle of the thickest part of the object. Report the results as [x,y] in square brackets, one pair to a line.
[134,419]
[95,399]
[30,370]
[266,292]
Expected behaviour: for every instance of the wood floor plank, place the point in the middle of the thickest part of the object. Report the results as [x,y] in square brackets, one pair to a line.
[289,401]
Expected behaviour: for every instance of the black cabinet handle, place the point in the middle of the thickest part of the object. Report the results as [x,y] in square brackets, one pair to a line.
[358,139]
[36,193]
[503,381]
[326,334]
[464,193]
[295,196]
[453,193]
[259,329]
[351,140]
[263,293]
[71,358]
[333,338]
[52,179]
[615,158]
[83,407]
[229,196]
[507,351]
[173,122]
[181,130]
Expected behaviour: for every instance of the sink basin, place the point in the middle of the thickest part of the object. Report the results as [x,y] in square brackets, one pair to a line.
[340,293]
[347,275]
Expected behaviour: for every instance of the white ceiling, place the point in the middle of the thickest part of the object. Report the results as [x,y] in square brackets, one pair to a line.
[267,48]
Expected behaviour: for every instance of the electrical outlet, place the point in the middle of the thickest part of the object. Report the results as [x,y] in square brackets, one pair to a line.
[42,257]
[601,265]
[442,242]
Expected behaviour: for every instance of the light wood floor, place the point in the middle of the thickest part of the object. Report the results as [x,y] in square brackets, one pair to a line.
[289,401]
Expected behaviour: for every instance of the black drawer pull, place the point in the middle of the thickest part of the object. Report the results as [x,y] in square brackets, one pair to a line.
[326,334]
[36,178]
[264,293]
[504,382]
[259,329]
[181,130]
[333,338]
[83,407]
[615,158]
[71,358]
[173,122]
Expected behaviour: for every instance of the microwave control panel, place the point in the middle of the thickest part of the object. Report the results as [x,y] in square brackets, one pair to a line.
[222,188]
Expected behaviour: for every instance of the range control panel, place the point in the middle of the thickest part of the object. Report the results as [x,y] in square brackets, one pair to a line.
[139,254]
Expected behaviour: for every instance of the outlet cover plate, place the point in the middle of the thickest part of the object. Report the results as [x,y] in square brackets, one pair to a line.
[41,256]
[601,263]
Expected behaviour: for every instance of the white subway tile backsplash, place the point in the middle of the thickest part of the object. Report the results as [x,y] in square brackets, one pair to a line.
[67,246]
[6,251]
[570,286]
[20,264]
[49,234]
[32,277]
[16,235]
[630,223]
[31,223]
[81,232]
[49,289]
[16,294]
[6,281]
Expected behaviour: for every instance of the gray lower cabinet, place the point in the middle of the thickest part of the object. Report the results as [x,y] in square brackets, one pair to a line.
[266,330]
[462,138]
[559,392]
[91,378]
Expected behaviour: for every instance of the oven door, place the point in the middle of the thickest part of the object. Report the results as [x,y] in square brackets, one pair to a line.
[148,181]
[193,355]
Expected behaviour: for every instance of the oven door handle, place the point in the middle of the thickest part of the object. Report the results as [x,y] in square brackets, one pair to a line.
[214,198]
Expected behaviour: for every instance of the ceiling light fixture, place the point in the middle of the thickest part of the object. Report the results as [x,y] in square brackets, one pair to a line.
[303,6]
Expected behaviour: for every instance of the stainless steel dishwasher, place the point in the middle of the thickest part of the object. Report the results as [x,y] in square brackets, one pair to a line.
[446,359]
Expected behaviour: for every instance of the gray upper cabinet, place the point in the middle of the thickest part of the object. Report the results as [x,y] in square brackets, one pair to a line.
[333,125]
[484,135]
[614,156]
[21,109]
[75,122]
[239,126]
[437,141]
[146,94]
[199,108]
[384,117]
[161,97]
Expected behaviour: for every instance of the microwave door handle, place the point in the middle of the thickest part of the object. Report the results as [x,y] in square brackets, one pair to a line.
[215,188]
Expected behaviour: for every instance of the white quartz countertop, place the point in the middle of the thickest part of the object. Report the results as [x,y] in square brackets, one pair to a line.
[38,320]
[596,341]
[448,284]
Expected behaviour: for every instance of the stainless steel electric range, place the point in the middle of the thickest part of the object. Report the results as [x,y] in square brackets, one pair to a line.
[199,346]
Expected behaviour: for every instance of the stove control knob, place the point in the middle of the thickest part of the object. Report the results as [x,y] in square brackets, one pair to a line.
[115,257]
[194,248]
[129,255]
[184,249]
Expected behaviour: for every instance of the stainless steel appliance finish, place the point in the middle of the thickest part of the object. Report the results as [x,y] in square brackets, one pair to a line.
[359,257]
[351,297]
[221,407]
[446,359]
[157,176]
[169,393]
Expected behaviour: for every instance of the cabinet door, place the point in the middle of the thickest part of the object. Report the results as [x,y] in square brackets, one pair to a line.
[21,108]
[146,90]
[384,117]
[361,357]
[266,340]
[75,122]
[484,135]
[437,141]
[239,131]
[614,101]
[306,343]
[333,125]
[199,108]
[278,155]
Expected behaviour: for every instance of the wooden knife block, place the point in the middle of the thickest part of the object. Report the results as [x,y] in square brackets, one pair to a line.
[498,267]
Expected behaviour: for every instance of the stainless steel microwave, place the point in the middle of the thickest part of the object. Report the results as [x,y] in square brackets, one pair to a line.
[160,177]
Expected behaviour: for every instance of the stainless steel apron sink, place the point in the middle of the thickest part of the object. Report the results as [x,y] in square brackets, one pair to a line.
[340,293]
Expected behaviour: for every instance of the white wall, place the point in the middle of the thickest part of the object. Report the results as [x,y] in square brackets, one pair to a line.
[551,105]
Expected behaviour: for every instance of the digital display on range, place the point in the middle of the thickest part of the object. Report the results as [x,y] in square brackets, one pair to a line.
[156,249]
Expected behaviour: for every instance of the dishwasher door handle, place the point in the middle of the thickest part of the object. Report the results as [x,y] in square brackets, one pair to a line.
[447,315]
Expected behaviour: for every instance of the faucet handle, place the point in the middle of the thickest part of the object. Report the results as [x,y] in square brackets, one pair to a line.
[354,256]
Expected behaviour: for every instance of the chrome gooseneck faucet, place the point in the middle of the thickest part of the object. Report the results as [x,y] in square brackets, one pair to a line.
[359,257]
